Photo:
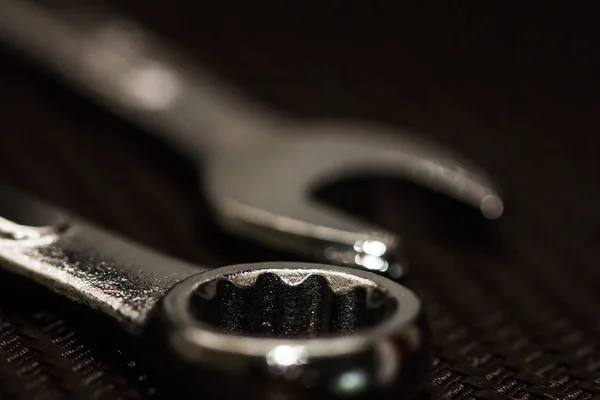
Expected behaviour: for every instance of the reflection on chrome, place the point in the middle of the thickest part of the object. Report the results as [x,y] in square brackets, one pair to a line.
[13,231]
[371,247]
[371,263]
[115,55]
[284,356]
[372,255]
[351,383]
[369,255]
[152,87]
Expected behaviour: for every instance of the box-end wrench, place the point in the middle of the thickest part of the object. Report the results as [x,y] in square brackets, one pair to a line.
[253,331]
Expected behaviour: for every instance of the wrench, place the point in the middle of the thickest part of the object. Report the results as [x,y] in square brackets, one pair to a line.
[259,167]
[256,331]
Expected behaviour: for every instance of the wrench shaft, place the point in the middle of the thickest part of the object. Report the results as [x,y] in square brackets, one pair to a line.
[123,67]
[85,263]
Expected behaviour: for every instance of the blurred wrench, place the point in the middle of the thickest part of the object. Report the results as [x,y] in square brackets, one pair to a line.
[259,167]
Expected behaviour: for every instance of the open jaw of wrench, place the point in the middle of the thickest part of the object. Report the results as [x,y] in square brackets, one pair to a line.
[254,331]
[259,167]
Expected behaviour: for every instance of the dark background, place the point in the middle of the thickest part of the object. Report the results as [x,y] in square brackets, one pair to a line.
[514,305]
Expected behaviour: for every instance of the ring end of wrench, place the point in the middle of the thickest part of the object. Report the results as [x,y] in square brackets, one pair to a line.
[290,330]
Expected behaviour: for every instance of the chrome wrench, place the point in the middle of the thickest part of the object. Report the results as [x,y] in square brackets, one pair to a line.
[259,167]
[254,331]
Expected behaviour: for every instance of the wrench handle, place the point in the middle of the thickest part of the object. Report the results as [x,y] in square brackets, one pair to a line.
[83,262]
[113,60]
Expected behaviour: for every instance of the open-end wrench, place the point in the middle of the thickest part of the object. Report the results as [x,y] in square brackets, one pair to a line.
[254,331]
[259,167]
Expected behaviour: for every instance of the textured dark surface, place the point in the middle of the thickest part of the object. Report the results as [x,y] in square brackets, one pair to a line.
[514,305]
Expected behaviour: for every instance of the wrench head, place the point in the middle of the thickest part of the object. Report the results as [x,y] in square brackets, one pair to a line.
[303,331]
[264,193]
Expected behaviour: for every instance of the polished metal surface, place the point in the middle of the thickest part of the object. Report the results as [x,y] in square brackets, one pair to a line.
[342,331]
[260,166]
[82,262]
